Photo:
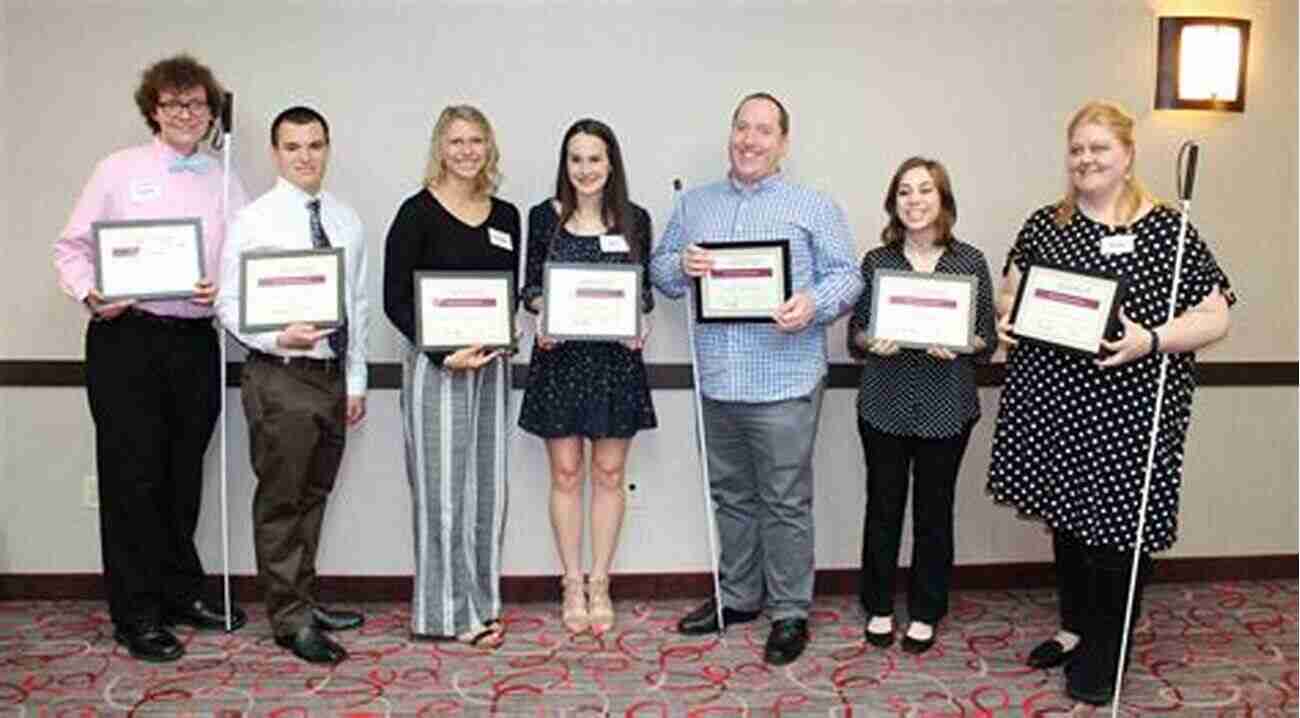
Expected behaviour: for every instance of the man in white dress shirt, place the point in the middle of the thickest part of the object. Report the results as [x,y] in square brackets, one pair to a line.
[301,386]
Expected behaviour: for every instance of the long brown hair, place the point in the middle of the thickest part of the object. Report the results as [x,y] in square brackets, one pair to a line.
[1120,123]
[615,207]
[894,231]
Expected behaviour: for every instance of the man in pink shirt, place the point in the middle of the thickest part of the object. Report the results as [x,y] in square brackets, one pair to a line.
[152,367]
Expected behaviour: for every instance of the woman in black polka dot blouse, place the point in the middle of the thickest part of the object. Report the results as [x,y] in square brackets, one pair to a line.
[916,408]
[1072,432]
[592,390]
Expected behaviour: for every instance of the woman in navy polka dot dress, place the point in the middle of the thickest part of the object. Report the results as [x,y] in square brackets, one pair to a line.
[592,390]
[916,408]
[1072,432]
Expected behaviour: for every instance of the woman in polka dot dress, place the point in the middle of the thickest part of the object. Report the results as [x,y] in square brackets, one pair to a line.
[1072,432]
[916,408]
[592,390]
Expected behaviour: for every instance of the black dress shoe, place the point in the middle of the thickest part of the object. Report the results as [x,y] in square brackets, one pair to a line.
[786,642]
[1049,654]
[704,619]
[330,620]
[205,616]
[312,645]
[149,642]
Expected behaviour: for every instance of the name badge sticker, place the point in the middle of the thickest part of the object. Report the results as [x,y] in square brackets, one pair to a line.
[610,243]
[145,191]
[1118,244]
[500,239]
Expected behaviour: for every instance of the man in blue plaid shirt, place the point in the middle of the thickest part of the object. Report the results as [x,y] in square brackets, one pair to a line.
[762,383]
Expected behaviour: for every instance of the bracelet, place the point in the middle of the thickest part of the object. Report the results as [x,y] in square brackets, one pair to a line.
[1155,342]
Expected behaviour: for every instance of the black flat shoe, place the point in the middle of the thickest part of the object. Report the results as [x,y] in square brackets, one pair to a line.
[1049,654]
[786,642]
[704,619]
[312,645]
[336,620]
[204,616]
[149,642]
[880,640]
[916,646]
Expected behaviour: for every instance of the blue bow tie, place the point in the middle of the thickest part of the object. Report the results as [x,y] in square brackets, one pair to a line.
[198,163]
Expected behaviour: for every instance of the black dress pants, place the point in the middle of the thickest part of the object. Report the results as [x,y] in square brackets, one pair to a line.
[930,466]
[1093,590]
[152,384]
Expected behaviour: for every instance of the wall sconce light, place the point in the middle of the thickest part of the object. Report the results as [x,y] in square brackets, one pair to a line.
[1202,64]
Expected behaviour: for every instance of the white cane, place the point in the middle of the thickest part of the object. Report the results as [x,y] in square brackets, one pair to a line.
[227,127]
[701,442]
[1185,182]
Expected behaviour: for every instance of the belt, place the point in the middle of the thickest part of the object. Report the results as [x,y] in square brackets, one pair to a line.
[327,365]
[188,324]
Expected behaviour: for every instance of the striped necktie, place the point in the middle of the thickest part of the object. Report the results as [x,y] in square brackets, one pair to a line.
[338,340]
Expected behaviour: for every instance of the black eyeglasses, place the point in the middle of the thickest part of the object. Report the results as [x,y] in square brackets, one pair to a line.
[194,107]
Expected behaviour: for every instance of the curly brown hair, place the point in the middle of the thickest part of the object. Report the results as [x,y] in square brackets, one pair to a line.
[177,73]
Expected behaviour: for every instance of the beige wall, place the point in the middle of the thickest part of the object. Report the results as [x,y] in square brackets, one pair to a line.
[985,86]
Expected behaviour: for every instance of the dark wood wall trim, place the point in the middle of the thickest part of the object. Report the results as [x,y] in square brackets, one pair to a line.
[388,375]
[650,586]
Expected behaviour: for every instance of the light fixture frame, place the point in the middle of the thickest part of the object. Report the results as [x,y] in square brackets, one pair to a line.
[1170,42]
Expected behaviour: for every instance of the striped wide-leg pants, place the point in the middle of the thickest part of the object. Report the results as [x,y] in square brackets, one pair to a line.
[456,441]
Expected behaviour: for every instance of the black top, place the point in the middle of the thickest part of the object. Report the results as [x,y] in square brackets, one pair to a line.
[912,393]
[425,236]
[543,231]
[1071,439]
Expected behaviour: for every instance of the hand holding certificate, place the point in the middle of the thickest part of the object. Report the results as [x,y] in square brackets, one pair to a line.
[461,309]
[1068,309]
[280,288]
[920,310]
[591,302]
[147,259]
[746,282]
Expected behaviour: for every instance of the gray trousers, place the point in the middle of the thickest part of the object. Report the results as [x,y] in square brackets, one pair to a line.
[761,477]
[456,440]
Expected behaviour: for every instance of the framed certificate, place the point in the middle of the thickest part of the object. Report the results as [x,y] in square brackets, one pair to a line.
[148,259]
[454,310]
[591,302]
[748,281]
[919,310]
[1066,308]
[279,288]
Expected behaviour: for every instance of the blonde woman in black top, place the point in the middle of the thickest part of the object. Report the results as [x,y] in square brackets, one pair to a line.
[454,404]
[915,409]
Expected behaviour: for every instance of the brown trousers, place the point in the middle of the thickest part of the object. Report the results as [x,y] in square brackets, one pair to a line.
[297,429]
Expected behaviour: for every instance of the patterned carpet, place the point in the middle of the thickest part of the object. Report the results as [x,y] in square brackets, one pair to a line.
[1223,649]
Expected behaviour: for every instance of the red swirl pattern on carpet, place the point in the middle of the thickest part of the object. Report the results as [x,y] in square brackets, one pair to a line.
[1223,649]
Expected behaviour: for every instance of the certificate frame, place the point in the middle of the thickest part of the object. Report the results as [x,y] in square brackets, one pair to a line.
[900,298]
[162,282]
[328,261]
[707,312]
[1045,285]
[494,285]
[605,277]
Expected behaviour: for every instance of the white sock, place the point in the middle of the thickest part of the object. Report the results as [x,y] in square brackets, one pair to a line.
[918,631]
[1067,640]
[880,624]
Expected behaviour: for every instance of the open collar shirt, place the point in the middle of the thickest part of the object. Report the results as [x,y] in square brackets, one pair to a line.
[753,363]
[137,183]
[280,220]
